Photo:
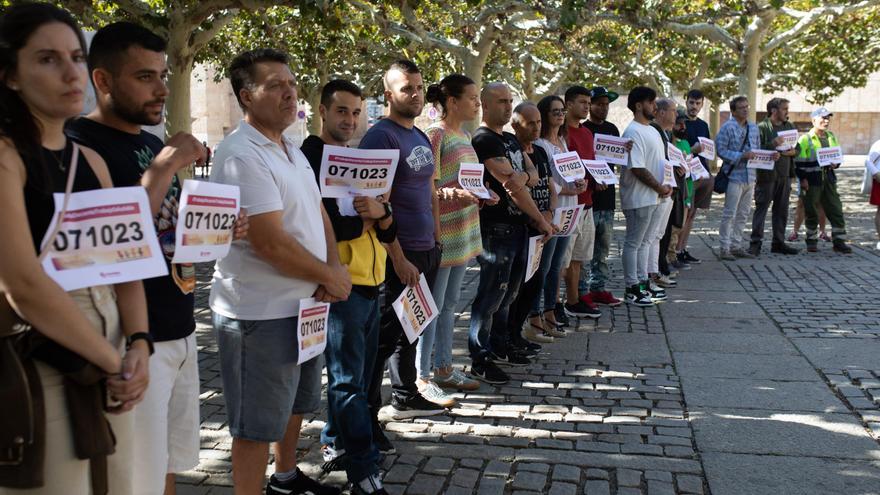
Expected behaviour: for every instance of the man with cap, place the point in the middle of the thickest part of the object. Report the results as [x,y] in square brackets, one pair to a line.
[819,184]
[603,203]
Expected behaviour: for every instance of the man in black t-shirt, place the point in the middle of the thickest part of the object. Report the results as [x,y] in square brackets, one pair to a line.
[505,239]
[603,206]
[696,128]
[128,71]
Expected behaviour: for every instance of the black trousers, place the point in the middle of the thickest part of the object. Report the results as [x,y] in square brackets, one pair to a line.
[394,346]
[777,192]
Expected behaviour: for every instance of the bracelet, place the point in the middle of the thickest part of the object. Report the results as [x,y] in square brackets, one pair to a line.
[131,339]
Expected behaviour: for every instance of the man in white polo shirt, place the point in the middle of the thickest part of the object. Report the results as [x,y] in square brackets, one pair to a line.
[290,255]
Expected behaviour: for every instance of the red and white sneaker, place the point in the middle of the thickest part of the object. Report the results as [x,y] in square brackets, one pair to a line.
[604,298]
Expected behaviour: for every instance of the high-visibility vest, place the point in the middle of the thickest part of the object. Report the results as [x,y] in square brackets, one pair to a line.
[809,143]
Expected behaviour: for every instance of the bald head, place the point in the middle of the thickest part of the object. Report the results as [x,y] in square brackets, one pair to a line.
[526,122]
[497,103]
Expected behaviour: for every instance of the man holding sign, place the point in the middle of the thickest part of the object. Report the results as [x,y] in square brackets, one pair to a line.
[353,342]
[819,183]
[290,255]
[128,69]
[774,185]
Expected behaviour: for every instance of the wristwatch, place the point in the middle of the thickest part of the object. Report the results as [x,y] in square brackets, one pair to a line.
[140,336]
[387,211]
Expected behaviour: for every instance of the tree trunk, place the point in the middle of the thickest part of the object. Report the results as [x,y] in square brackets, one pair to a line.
[314,100]
[178,114]
[714,122]
[748,80]
[473,68]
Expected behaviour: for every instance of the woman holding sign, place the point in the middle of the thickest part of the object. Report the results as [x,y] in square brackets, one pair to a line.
[459,99]
[44,76]
[552,141]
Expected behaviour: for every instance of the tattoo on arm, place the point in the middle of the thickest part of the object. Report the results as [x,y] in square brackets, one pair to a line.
[646,177]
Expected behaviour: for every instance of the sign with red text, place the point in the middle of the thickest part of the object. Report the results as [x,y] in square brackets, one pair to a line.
[698,171]
[790,138]
[205,221]
[415,308]
[668,174]
[708,148]
[536,248]
[569,166]
[762,159]
[567,218]
[470,177]
[612,149]
[311,332]
[676,156]
[105,237]
[829,156]
[600,171]
[349,172]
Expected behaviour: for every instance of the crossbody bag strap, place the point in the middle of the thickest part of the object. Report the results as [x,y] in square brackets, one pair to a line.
[71,175]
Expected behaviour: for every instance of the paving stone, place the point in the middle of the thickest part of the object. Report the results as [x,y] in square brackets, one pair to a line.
[400,473]
[438,465]
[563,472]
[497,468]
[558,488]
[628,477]
[658,475]
[491,486]
[597,487]
[656,487]
[535,467]
[597,474]
[529,481]
[465,478]
[689,484]
[424,484]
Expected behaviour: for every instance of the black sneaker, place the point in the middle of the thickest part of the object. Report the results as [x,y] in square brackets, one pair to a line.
[681,258]
[525,346]
[357,490]
[842,248]
[375,486]
[510,359]
[489,372]
[414,407]
[690,259]
[523,351]
[561,317]
[381,442]
[635,296]
[582,310]
[656,292]
[299,484]
[334,460]
[784,249]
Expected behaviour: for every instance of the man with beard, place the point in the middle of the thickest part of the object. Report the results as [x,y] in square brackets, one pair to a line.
[128,69]
[696,128]
[774,185]
[416,249]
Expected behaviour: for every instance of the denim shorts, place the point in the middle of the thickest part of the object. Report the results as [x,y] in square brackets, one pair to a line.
[262,384]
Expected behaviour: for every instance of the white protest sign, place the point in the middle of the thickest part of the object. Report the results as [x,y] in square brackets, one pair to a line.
[697,170]
[612,149]
[569,166]
[311,334]
[676,156]
[708,148]
[205,221]
[566,218]
[355,172]
[415,308]
[762,159]
[600,171]
[536,247]
[668,174]
[829,156]
[470,177]
[790,138]
[106,237]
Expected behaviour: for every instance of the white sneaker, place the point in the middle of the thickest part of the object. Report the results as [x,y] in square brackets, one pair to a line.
[878,246]
[432,393]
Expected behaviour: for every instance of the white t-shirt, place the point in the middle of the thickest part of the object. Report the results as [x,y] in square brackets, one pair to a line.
[245,287]
[647,152]
[562,200]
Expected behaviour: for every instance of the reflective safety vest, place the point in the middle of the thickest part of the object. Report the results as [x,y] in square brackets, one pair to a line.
[807,165]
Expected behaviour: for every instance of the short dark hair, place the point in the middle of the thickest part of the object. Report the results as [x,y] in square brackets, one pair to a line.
[241,69]
[405,66]
[573,92]
[112,41]
[336,85]
[736,100]
[695,94]
[774,104]
[639,94]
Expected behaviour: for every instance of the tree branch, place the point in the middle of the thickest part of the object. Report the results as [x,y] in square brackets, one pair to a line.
[806,19]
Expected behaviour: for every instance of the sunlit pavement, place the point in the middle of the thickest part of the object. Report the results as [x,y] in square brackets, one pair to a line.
[757,376]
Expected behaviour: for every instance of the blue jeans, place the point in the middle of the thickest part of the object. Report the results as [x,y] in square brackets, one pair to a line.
[352,342]
[502,268]
[599,271]
[548,273]
[437,337]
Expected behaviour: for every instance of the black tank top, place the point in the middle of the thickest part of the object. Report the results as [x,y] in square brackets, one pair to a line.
[38,190]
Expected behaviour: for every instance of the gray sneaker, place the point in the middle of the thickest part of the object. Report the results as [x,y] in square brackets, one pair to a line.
[739,253]
[725,255]
[456,380]
[432,393]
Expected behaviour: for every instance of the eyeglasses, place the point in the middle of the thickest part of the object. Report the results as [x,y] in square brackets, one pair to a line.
[558,112]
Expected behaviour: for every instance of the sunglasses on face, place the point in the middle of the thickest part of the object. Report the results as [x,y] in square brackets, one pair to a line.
[558,112]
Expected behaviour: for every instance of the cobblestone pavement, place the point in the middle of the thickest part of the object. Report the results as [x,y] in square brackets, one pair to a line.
[758,376]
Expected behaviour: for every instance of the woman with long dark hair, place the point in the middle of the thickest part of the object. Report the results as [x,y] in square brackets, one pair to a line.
[544,316]
[43,79]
